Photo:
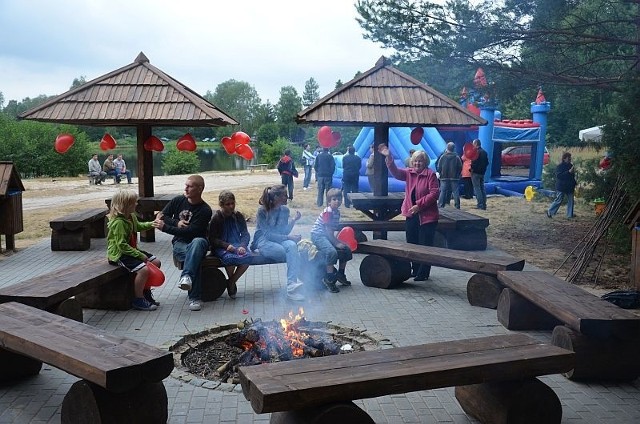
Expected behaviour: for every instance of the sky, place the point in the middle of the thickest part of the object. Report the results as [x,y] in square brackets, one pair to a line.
[45,44]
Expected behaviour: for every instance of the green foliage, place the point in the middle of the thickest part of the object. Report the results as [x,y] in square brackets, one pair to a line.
[271,153]
[178,162]
[240,101]
[267,134]
[310,94]
[287,109]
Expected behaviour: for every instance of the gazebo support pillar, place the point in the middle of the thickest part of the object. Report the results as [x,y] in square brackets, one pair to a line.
[145,177]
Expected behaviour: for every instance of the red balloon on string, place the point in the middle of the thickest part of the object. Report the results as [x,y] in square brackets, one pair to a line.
[416,135]
[63,142]
[104,146]
[187,136]
[244,151]
[229,145]
[185,144]
[325,136]
[348,237]
[156,276]
[109,141]
[469,151]
[240,137]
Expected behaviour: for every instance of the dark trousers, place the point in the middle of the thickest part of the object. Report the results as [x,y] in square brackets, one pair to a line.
[422,235]
[287,181]
[348,187]
[467,190]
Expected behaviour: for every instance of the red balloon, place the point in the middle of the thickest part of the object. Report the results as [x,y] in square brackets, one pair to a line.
[470,152]
[156,276]
[187,136]
[151,144]
[185,144]
[416,135]
[63,142]
[244,151]
[325,136]
[104,146]
[240,137]
[109,141]
[229,145]
[348,237]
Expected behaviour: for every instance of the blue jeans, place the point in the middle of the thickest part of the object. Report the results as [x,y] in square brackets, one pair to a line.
[307,175]
[479,190]
[553,209]
[329,252]
[447,188]
[192,255]
[287,251]
[127,173]
[115,173]
[324,184]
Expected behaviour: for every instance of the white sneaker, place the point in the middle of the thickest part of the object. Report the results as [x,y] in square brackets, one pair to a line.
[295,297]
[306,188]
[185,282]
[195,305]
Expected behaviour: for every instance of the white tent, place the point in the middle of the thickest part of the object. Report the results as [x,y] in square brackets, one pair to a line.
[592,135]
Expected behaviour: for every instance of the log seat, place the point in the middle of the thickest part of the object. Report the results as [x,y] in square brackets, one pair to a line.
[75,231]
[605,337]
[121,379]
[494,378]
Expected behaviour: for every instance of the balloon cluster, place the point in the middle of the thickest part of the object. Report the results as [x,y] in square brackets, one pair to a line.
[238,144]
[328,138]
[63,142]
[153,144]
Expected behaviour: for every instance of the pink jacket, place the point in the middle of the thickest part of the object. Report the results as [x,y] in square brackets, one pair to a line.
[426,187]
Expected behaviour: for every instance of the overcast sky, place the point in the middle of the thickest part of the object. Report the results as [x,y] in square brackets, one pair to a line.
[45,44]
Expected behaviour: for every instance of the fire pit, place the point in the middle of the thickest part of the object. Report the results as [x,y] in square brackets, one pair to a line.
[214,355]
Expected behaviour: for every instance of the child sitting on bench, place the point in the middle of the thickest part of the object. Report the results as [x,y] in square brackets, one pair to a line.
[123,228]
[333,250]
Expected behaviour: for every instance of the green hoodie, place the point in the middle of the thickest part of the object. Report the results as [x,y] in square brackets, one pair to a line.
[120,231]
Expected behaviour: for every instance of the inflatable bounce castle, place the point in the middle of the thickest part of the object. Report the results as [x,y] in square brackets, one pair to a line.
[496,135]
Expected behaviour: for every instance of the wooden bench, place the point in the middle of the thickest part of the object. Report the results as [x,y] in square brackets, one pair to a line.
[121,378]
[94,284]
[494,378]
[258,166]
[387,265]
[605,338]
[93,178]
[75,231]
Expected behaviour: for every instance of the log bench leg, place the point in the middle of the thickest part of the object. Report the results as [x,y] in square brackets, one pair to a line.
[98,228]
[88,403]
[343,412]
[525,401]
[484,291]
[517,313]
[597,359]
[14,366]
[115,295]
[382,272]
[69,308]
[214,283]
[65,240]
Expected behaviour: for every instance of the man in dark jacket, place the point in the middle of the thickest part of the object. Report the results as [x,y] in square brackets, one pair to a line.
[450,167]
[565,186]
[324,166]
[351,164]
[287,170]
[478,168]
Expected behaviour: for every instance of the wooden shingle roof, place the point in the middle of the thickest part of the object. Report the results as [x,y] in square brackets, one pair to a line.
[136,94]
[385,95]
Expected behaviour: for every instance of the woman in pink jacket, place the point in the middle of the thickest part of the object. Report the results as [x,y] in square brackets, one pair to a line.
[420,205]
[467,191]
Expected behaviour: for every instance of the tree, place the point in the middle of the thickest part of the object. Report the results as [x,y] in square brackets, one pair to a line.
[287,108]
[311,93]
[241,101]
[77,82]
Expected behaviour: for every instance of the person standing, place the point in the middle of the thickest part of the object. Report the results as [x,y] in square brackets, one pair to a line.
[420,205]
[121,168]
[287,170]
[187,217]
[351,164]
[110,168]
[467,189]
[450,168]
[369,171]
[308,159]
[478,168]
[324,166]
[95,170]
[565,186]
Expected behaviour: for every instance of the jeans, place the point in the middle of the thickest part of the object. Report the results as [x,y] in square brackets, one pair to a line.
[308,169]
[422,235]
[329,252]
[287,181]
[479,190]
[324,184]
[348,187]
[287,251]
[115,173]
[553,209]
[127,173]
[192,255]
[447,188]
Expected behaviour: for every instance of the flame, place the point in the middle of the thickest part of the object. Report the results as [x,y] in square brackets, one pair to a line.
[291,333]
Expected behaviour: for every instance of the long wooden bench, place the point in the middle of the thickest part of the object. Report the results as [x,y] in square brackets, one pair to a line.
[605,338]
[387,265]
[121,378]
[93,284]
[75,231]
[494,378]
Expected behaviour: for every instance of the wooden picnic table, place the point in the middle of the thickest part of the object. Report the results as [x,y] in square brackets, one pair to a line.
[147,206]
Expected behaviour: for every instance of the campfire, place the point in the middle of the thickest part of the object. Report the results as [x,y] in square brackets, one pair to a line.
[254,342]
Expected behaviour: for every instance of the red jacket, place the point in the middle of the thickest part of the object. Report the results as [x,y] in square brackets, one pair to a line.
[426,187]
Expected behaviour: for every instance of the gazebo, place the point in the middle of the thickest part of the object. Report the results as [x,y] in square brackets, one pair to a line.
[385,97]
[137,95]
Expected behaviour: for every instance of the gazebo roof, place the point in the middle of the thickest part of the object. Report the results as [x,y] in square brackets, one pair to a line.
[385,95]
[136,94]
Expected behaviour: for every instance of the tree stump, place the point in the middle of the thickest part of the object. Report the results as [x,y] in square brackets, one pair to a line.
[69,308]
[484,291]
[517,313]
[597,359]
[214,282]
[384,273]
[346,412]
[14,366]
[88,403]
[526,401]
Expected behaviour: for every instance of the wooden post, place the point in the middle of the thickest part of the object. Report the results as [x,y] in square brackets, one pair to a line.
[145,177]
[635,257]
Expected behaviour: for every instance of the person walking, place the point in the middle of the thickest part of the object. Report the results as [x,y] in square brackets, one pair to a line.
[351,164]
[565,186]
[450,169]
[287,170]
[308,158]
[324,166]
[478,168]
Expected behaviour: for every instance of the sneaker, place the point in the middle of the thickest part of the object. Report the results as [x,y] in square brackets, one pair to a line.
[549,215]
[143,304]
[342,279]
[420,278]
[149,297]
[185,282]
[295,297]
[330,283]
[195,305]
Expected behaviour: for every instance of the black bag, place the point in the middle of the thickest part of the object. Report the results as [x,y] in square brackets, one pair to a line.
[626,299]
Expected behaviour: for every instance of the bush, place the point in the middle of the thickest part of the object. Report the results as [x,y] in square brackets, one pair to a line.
[271,153]
[178,162]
